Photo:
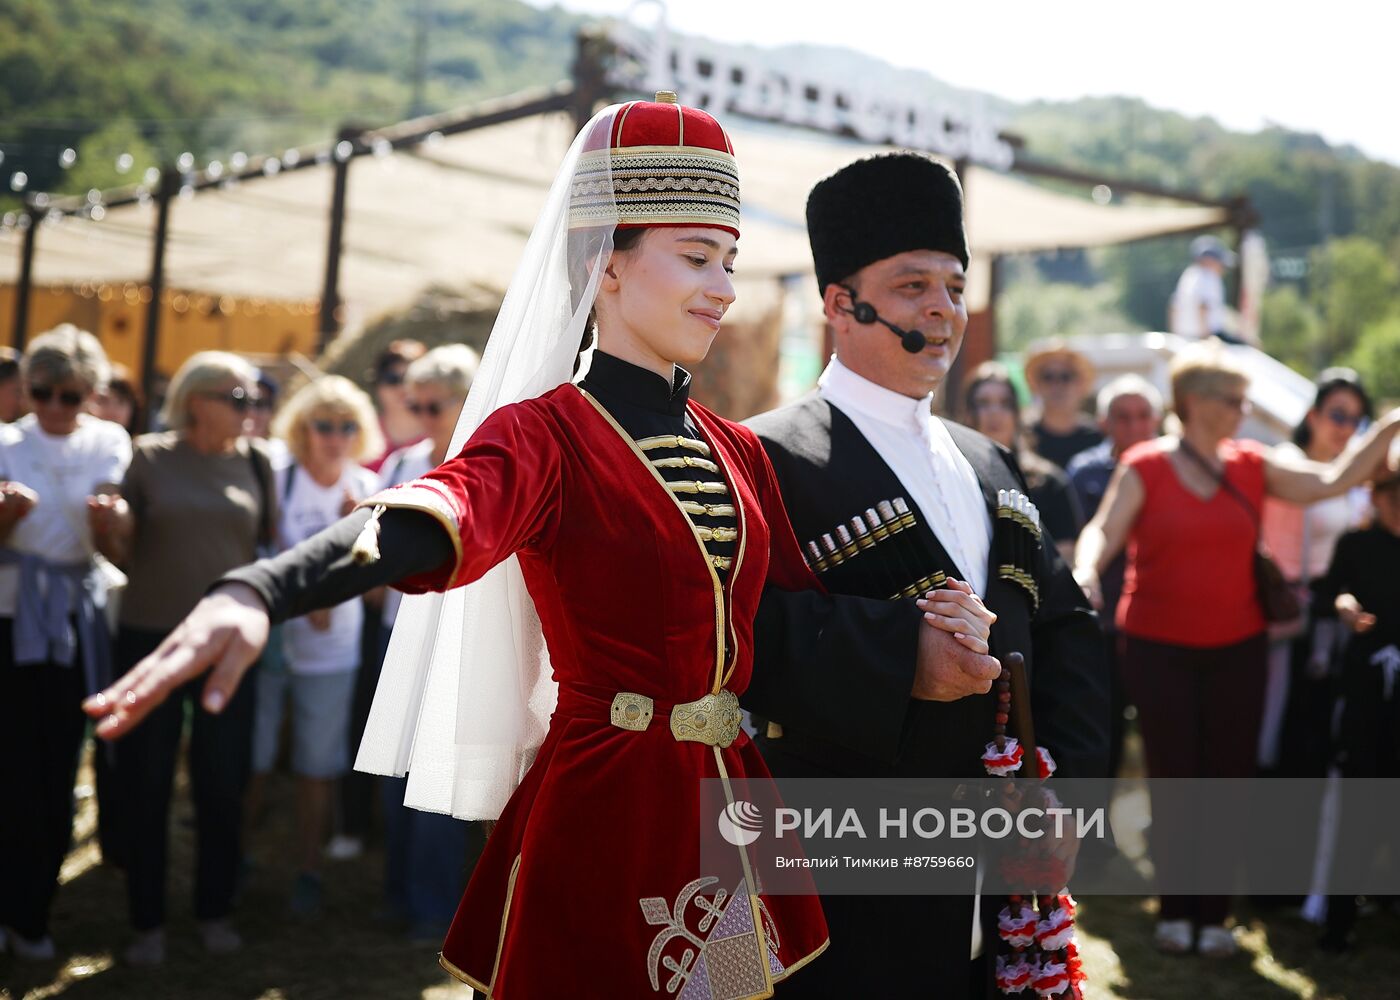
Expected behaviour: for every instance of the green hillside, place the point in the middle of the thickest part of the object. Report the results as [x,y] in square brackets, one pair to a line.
[156,78]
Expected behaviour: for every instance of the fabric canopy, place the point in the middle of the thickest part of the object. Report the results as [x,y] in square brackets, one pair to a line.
[455,212]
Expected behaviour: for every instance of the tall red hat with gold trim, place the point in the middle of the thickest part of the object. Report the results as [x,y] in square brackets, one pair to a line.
[666,165]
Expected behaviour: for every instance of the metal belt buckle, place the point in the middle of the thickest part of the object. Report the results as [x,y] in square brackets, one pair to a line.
[632,711]
[714,719]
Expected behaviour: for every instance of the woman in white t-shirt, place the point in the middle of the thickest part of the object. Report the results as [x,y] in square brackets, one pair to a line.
[59,470]
[329,426]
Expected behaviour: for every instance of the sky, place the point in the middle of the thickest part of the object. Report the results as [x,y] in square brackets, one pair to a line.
[1328,68]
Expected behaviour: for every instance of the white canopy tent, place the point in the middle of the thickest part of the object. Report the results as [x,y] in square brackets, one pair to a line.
[456,210]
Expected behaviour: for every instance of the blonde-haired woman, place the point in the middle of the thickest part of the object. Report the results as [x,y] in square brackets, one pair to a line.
[329,427]
[200,501]
[58,473]
[1195,653]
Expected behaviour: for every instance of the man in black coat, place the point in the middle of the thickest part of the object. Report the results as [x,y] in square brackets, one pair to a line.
[863,453]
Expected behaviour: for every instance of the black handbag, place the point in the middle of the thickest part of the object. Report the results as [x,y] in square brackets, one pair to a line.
[1277,598]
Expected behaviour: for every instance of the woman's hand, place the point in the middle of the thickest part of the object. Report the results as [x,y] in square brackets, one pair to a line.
[1353,615]
[956,609]
[16,501]
[1088,579]
[108,514]
[226,631]
[109,517]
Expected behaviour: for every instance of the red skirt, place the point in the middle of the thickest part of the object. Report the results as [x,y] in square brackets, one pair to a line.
[590,886]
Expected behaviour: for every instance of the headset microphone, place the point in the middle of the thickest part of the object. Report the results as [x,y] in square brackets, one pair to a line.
[912,340]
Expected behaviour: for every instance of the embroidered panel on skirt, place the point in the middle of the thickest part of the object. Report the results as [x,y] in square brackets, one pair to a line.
[712,947]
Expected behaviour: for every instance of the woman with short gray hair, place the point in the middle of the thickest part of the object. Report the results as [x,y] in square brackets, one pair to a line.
[59,468]
[201,501]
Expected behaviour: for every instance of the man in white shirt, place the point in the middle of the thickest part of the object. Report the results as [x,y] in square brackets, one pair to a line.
[891,254]
[1198,304]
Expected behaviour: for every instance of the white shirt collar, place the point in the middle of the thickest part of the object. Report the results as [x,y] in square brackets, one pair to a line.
[849,391]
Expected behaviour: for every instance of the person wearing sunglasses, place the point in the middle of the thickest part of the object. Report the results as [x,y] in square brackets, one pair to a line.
[120,401]
[994,409]
[424,852]
[329,426]
[59,468]
[201,501]
[397,423]
[1195,658]
[1061,379]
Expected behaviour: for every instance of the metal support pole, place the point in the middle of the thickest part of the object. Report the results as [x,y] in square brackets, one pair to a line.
[166,190]
[590,74]
[29,220]
[330,290]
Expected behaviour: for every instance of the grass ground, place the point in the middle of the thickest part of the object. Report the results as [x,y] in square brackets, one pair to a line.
[350,953]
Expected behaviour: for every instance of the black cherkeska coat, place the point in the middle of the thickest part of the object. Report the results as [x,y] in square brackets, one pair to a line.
[852,715]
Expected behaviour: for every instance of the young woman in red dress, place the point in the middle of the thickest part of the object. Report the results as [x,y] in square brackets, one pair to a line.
[593,558]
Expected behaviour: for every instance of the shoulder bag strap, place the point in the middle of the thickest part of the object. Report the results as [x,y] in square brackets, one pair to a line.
[1224,482]
[266,533]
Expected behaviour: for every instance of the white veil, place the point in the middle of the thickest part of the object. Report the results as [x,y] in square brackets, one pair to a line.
[466,692]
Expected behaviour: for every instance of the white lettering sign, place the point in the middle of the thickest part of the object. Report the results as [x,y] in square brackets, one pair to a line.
[707,77]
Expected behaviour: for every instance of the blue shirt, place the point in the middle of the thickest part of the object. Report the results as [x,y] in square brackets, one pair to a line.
[1090,472]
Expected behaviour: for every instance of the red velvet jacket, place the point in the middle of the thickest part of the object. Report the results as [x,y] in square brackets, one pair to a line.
[586,886]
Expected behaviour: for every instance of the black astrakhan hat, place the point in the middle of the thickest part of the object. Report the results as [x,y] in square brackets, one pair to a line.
[881,206]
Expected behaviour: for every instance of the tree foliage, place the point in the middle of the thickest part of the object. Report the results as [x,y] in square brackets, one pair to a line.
[1377,357]
[1353,284]
[1032,310]
[155,78]
[215,76]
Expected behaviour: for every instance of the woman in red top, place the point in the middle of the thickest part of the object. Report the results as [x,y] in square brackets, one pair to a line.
[1195,637]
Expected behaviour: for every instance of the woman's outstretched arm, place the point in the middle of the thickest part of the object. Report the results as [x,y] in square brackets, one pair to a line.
[499,495]
[228,628]
[1300,481]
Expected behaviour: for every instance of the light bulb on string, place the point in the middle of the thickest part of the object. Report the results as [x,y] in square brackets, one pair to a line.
[214,170]
[94,196]
[185,162]
[343,150]
[125,162]
[151,176]
[98,213]
[41,200]
[271,166]
[19,180]
[291,158]
[238,160]
[67,158]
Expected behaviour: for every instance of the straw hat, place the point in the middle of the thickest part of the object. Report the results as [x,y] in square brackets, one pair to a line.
[1041,353]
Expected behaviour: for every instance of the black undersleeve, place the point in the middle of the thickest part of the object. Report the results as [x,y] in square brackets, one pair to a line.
[319,572]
